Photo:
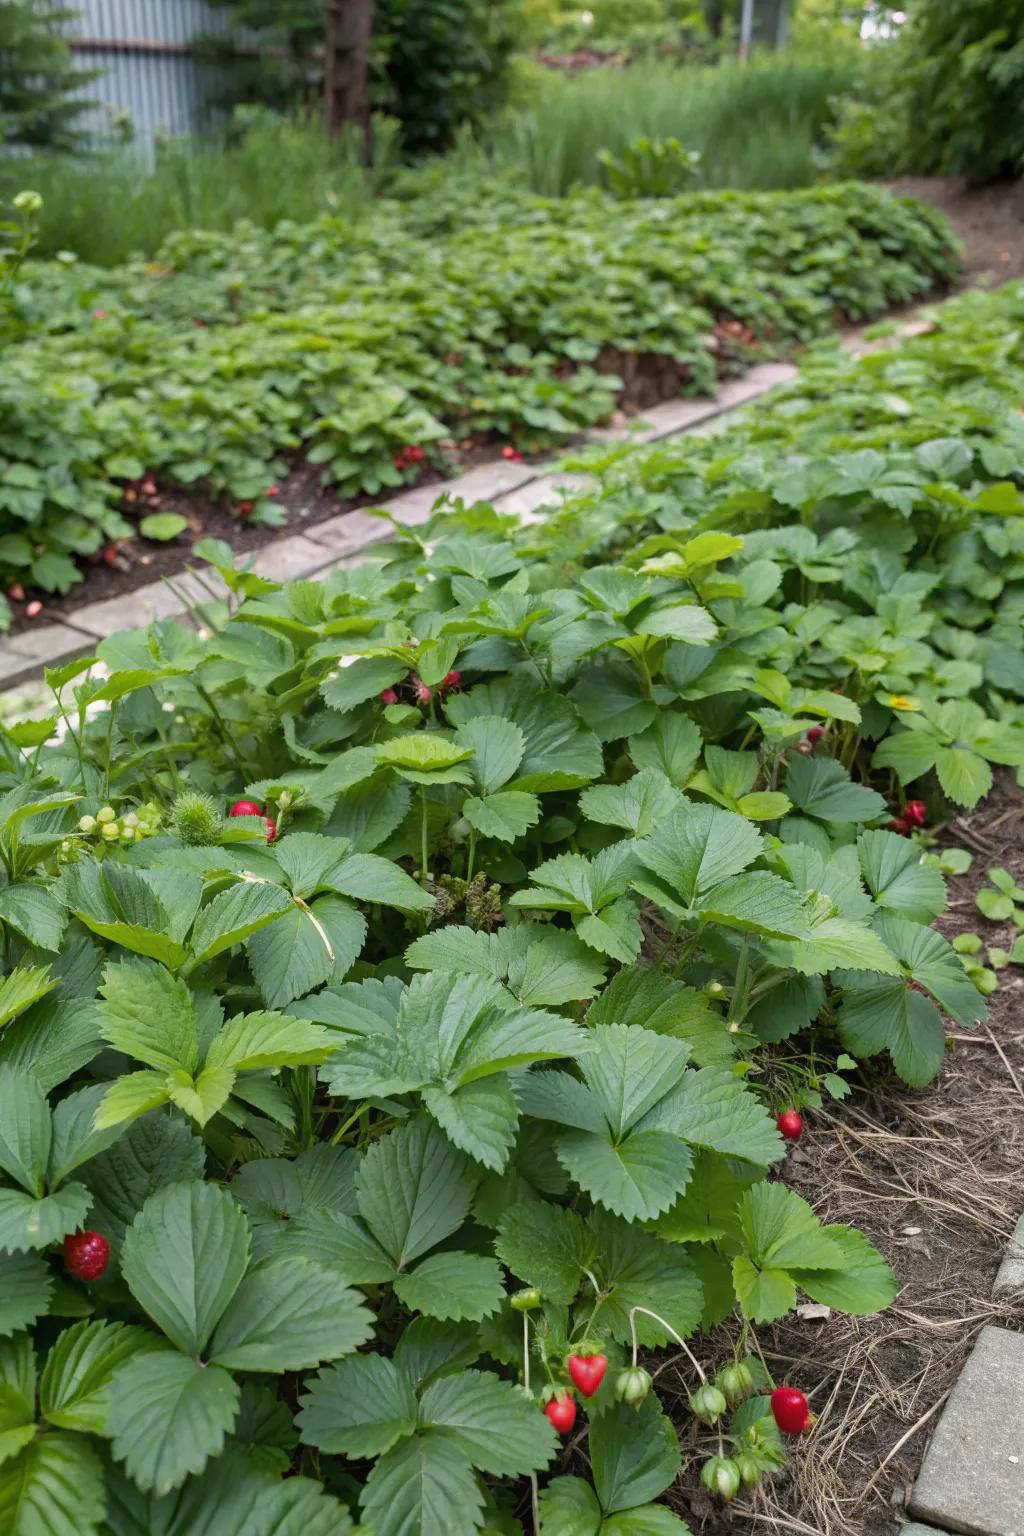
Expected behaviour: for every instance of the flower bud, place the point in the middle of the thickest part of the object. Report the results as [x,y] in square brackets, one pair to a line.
[106,814]
[722,1476]
[131,820]
[87,824]
[28,202]
[110,831]
[708,1403]
[632,1386]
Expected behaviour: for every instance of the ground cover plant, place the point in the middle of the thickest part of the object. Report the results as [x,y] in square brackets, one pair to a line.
[372,1120]
[459,314]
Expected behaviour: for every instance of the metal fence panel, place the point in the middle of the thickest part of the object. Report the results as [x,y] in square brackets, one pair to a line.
[148,72]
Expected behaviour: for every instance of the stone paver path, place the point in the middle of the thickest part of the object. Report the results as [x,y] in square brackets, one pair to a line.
[972,1480]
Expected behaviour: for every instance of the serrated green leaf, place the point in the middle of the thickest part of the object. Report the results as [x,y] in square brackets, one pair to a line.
[295,953]
[26,1286]
[167,1416]
[74,1387]
[359,1408]
[183,1259]
[634,1455]
[289,1315]
[251,1042]
[54,1487]
[423,1486]
[26,1223]
[413,1189]
[149,1015]
[25,1129]
[234,916]
[24,985]
[763,1294]
[452,1286]
[494,1425]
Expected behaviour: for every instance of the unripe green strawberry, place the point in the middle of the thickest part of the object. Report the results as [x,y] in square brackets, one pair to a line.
[735,1381]
[527,1299]
[750,1472]
[633,1386]
[722,1476]
[708,1403]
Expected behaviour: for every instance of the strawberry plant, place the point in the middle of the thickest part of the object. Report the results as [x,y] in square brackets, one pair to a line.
[480,311]
[343,1174]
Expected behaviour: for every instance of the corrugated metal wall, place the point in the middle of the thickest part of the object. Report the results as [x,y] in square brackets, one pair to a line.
[148,72]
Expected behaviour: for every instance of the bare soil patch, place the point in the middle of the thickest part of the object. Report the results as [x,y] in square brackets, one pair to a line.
[988,220]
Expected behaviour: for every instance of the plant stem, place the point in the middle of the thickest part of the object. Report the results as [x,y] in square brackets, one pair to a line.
[534,1498]
[738,1001]
[669,1330]
[424,871]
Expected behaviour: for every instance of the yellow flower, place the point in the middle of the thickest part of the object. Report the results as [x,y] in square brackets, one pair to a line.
[901,702]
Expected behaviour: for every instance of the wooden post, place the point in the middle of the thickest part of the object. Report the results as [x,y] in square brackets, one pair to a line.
[347,66]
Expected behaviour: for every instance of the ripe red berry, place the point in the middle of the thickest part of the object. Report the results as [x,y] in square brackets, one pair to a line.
[271,490]
[900,825]
[244,508]
[100,314]
[815,733]
[271,829]
[87,1255]
[561,1412]
[790,1124]
[17,592]
[587,1372]
[389,696]
[915,812]
[246,808]
[790,1410]
[512,454]
[452,679]
[33,609]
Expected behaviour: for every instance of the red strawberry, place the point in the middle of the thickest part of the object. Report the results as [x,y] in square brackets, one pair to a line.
[389,696]
[790,1410]
[901,825]
[271,829]
[915,812]
[587,1372]
[512,454]
[244,508]
[561,1412]
[815,734]
[271,491]
[246,808]
[33,609]
[87,1255]
[452,679]
[100,314]
[17,592]
[790,1124]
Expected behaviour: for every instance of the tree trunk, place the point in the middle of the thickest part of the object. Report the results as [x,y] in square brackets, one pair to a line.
[347,66]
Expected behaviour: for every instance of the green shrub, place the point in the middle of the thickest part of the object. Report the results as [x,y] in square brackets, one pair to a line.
[357,1140]
[473,311]
[943,97]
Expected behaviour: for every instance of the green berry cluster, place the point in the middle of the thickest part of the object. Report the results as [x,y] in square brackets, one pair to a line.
[108,827]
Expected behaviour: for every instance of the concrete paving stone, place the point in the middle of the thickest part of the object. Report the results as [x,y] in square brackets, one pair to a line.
[915,1528]
[1011,1271]
[545,491]
[158,600]
[24,655]
[489,481]
[289,559]
[349,531]
[972,1480]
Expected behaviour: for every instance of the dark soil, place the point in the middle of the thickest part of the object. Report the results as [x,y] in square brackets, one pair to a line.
[988,221]
[933,1178]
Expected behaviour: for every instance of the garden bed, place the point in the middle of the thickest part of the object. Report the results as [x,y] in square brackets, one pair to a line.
[472,314]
